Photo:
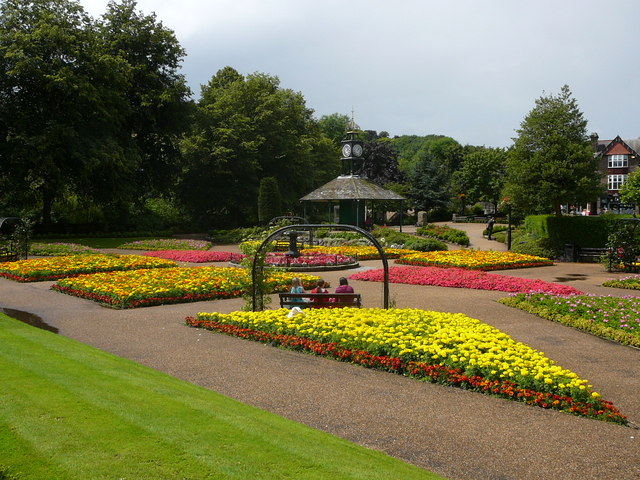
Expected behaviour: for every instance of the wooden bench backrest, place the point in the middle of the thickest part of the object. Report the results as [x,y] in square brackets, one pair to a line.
[320,299]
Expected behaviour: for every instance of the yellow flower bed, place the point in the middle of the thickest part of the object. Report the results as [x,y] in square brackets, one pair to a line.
[362,252]
[455,340]
[51,268]
[170,285]
[473,259]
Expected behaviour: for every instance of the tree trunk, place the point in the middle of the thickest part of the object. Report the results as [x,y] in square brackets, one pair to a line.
[557,210]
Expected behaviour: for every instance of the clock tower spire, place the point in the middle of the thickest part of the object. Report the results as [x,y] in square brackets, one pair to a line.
[352,149]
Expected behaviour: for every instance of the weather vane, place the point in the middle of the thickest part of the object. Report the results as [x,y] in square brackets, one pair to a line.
[352,124]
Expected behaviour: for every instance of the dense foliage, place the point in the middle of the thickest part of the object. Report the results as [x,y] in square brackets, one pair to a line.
[445,233]
[552,161]
[98,131]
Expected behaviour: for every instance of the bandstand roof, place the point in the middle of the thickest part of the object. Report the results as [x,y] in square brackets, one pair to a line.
[350,187]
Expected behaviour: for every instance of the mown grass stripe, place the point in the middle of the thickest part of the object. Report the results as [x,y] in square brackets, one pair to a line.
[89,414]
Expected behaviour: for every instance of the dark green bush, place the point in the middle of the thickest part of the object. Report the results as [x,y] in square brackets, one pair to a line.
[424,244]
[447,234]
[236,235]
[590,231]
[528,244]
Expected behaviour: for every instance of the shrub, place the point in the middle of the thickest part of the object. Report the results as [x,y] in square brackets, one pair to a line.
[447,234]
[424,244]
[531,245]
[236,235]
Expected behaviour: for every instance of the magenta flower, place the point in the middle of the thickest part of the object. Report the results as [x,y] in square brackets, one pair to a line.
[463,278]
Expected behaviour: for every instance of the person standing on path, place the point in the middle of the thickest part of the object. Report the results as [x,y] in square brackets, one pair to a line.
[490,224]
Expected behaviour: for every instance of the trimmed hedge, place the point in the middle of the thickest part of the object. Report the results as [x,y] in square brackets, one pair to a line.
[586,232]
[445,233]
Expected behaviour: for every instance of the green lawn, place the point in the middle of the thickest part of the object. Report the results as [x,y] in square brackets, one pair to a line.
[69,411]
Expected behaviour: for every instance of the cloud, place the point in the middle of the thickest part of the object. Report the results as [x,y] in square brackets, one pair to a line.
[468,69]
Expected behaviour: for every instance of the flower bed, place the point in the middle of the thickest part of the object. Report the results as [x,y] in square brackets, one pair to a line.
[447,348]
[167,244]
[360,252]
[473,259]
[615,318]
[631,282]
[314,260]
[170,285]
[195,256]
[53,268]
[462,278]
[59,249]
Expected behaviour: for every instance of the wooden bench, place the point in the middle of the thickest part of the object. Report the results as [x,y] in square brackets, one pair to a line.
[320,300]
[592,255]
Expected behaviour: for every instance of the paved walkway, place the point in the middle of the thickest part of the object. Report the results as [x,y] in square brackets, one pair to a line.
[459,434]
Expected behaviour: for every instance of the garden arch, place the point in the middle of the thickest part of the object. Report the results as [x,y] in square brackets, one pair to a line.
[311,228]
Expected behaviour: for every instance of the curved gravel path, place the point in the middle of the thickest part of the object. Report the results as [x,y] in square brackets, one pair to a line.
[455,433]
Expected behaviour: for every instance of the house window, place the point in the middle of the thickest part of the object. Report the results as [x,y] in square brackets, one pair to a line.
[616,181]
[618,161]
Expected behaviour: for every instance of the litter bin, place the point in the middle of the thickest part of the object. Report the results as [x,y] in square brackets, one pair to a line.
[570,252]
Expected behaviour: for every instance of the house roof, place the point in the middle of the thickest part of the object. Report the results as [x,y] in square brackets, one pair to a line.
[633,144]
[350,187]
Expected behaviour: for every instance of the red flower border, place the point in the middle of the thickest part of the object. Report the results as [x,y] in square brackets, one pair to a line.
[598,409]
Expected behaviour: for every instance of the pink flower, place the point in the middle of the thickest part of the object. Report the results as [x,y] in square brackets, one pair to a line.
[462,278]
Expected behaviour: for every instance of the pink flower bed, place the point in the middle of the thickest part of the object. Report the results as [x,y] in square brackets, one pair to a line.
[463,278]
[314,260]
[195,256]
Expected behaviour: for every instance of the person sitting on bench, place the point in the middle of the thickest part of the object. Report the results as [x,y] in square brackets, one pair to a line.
[344,286]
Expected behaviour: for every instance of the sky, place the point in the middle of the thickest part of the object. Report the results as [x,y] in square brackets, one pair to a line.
[468,69]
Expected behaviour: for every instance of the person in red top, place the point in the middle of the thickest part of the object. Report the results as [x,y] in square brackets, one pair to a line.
[344,286]
[319,289]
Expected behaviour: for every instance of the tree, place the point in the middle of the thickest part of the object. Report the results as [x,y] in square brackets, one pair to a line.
[89,111]
[381,163]
[428,184]
[551,162]
[156,94]
[246,129]
[334,126]
[268,200]
[59,105]
[630,190]
[481,177]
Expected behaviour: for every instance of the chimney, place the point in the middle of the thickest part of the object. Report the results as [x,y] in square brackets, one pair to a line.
[594,141]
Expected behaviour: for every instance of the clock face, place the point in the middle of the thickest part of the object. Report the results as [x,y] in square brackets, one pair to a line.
[357,150]
[346,150]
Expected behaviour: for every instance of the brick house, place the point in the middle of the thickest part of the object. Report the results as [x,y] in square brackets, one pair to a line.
[616,159]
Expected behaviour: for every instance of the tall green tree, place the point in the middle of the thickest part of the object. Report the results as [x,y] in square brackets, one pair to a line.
[551,162]
[246,129]
[481,176]
[429,184]
[89,111]
[269,205]
[334,126]
[630,190]
[156,93]
[60,107]
[381,163]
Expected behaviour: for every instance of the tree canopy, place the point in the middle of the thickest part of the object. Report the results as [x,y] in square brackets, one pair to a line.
[246,129]
[551,162]
[85,106]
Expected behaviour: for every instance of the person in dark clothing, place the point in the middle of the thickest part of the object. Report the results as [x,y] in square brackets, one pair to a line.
[490,224]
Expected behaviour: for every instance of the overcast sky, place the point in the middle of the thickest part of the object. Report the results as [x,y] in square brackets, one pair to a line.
[469,69]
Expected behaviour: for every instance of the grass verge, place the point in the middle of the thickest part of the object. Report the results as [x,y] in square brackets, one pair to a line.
[69,411]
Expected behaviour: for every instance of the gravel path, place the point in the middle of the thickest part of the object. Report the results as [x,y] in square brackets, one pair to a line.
[455,433]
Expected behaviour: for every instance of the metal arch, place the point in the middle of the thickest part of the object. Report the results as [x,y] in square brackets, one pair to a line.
[311,227]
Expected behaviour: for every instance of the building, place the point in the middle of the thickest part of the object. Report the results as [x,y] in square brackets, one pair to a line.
[617,158]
